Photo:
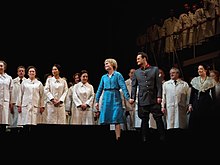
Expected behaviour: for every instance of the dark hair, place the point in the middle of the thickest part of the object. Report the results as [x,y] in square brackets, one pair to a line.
[206,67]
[30,67]
[76,74]
[143,55]
[21,66]
[58,66]
[82,72]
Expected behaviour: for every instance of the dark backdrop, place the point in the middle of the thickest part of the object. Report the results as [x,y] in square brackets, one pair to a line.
[76,35]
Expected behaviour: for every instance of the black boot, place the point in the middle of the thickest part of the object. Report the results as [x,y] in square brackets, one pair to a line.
[161,129]
[145,132]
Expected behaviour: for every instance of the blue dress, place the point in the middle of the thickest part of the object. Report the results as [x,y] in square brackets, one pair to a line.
[111,110]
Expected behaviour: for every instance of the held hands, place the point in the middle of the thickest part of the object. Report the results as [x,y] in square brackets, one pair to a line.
[41,110]
[84,106]
[159,100]
[56,102]
[131,101]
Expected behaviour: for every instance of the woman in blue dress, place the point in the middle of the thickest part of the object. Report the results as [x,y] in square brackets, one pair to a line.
[111,110]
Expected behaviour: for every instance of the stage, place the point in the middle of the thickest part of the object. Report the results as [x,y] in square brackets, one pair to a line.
[73,136]
[77,142]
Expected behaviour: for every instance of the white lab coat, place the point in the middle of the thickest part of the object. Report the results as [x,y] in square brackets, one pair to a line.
[56,89]
[83,94]
[6,87]
[175,99]
[30,98]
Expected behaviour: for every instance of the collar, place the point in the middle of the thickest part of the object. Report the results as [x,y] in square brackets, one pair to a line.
[3,75]
[81,84]
[145,67]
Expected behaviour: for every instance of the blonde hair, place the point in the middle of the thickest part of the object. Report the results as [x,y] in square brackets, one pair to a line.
[113,62]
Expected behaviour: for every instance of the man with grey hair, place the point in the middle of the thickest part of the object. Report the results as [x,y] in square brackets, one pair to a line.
[175,99]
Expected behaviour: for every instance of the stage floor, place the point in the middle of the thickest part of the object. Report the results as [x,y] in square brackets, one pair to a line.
[98,135]
[77,142]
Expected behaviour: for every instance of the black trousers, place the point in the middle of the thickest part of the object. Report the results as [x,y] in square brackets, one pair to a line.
[144,115]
